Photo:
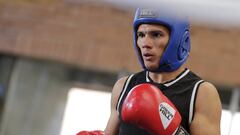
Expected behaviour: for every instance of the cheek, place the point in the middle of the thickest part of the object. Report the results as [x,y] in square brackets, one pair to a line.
[160,48]
[138,43]
[139,46]
[162,45]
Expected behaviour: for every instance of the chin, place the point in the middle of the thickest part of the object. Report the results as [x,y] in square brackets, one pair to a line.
[151,68]
[151,65]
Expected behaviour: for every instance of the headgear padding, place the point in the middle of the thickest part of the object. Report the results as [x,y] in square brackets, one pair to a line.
[178,48]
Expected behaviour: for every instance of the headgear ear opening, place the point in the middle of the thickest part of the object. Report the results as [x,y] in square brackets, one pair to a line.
[184,46]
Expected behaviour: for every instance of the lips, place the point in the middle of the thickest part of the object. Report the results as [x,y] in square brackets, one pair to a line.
[148,56]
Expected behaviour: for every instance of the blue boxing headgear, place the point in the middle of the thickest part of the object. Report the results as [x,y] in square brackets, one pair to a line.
[178,48]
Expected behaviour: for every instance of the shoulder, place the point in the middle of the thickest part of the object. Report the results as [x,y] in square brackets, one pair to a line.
[132,77]
[120,83]
[118,86]
[207,116]
[207,98]
[117,89]
[113,122]
[208,92]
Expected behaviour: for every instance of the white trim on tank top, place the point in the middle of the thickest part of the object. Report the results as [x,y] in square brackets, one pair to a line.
[171,82]
[124,90]
[191,108]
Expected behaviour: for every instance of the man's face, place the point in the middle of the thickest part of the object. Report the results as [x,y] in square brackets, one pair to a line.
[152,40]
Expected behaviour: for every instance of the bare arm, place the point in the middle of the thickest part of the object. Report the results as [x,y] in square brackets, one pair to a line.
[113,122]
[208,110]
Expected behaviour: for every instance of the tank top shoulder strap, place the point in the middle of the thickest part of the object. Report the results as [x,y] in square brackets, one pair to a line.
[193,99]
[123,91]
[130,82]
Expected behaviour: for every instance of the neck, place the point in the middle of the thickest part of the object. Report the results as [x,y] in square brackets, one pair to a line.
[165,76]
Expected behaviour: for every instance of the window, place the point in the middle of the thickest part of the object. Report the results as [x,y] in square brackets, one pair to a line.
[86,110]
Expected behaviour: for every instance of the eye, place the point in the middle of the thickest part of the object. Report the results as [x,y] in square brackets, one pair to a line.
[140,35]
[156,34]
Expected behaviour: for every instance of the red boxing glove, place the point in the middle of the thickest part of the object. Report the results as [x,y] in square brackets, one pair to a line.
[147,107]
[95,132]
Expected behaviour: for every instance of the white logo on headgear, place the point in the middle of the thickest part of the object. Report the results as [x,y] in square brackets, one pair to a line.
[146,13]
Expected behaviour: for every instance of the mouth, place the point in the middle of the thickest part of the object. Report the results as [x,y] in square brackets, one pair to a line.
[148,56]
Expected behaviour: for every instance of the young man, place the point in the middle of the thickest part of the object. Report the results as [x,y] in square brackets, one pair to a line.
[162,44]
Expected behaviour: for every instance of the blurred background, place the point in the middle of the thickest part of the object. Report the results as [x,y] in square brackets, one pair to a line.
[59,60]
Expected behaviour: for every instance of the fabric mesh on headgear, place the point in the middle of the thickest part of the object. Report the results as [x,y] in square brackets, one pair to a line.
[178,48]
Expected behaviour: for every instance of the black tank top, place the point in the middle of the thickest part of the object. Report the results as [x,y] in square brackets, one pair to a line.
[181,91]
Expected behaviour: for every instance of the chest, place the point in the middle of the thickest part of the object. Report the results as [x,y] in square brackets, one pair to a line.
[179,93]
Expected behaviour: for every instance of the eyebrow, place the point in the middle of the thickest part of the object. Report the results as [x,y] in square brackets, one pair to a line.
[150,31]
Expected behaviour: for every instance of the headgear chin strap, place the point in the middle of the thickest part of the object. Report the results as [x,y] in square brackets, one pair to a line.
[178,48]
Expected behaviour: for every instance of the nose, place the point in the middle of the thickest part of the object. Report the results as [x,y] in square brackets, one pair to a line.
[145,42]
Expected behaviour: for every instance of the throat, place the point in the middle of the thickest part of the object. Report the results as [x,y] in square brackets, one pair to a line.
[164,76]
[159,77]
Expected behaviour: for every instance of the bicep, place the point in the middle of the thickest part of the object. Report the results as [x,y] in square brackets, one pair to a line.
[208,110]
[203,125]
[113,122]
